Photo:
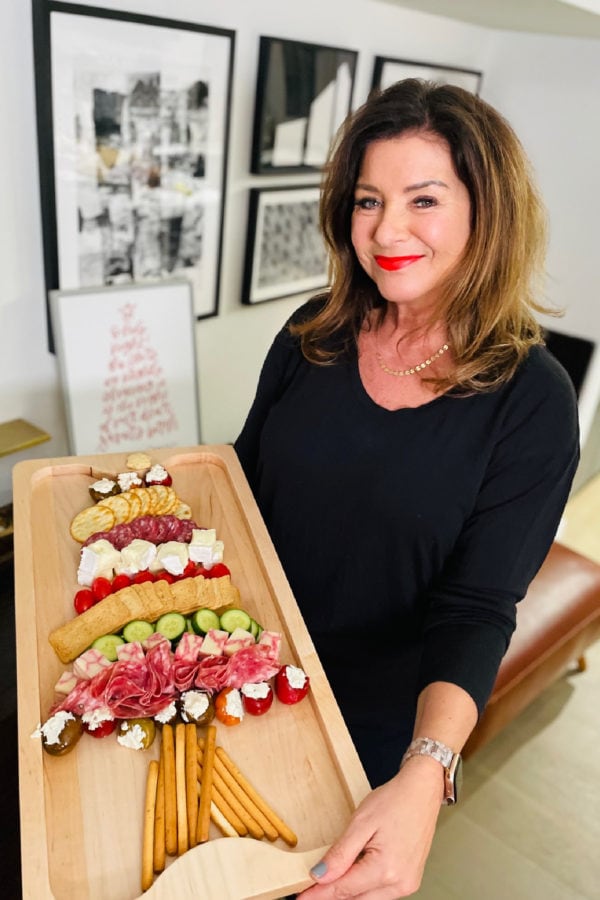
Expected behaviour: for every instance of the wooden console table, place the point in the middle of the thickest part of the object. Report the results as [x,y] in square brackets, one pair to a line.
[15,435]
[18,434]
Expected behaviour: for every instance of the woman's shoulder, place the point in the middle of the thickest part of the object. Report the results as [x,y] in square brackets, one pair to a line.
[541,399]
[542,372]
[308,310]
[287,339]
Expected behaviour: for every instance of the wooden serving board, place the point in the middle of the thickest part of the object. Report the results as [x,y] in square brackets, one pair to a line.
[81,814]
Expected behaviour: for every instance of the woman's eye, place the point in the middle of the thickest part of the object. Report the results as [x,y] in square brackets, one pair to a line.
[367,203]
[425,202]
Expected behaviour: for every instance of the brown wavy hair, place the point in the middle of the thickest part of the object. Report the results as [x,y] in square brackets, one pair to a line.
[489,301]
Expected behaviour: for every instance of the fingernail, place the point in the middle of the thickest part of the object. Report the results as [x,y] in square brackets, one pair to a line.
[319,870]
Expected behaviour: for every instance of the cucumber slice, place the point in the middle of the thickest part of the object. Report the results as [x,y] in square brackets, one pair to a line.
[172,625]
[253,629]
[235,618]
[138,630]
[108,644]
[205,619]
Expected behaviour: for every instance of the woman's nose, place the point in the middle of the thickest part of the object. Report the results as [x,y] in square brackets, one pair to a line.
[393,225]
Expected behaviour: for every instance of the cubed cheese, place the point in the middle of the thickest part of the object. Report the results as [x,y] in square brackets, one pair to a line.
[97,559]
[173,557]
[136,557]
[214,642]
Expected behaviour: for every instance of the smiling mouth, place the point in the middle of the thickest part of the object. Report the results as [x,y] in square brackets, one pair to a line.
[394,263]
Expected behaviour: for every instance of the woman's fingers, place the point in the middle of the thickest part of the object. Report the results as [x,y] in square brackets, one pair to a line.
[370,876]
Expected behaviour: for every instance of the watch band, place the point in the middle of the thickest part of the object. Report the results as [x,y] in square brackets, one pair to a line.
[448,759]
[428,747]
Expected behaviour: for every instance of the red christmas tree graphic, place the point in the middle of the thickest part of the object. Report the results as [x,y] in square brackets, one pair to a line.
[136,410]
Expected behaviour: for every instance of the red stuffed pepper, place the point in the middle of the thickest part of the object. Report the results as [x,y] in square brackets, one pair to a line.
[258,698]
[291,684]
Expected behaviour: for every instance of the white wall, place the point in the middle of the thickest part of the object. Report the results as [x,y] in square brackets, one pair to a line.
[549,88]
[519,69]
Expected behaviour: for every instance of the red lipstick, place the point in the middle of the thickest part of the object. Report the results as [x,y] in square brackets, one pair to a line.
[394,263]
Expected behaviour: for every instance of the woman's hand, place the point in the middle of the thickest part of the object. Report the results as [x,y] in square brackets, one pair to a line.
[382,853]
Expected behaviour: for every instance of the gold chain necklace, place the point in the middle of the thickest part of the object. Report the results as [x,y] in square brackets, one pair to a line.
[399,373]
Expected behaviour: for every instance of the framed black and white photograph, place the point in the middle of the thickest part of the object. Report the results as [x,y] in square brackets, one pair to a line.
[285,251]
[133,120]
[303,94]
[387,71]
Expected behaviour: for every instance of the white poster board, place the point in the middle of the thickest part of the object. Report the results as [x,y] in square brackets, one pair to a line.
[127,364]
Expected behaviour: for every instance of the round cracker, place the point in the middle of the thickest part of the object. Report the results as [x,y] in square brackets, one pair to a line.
[182,510]
[145,498]
[90,520]
[138,461]
[171,502]
[135,503]
[161,498]
[119,505]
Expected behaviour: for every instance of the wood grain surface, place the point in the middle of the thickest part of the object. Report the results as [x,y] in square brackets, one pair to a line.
[82,814]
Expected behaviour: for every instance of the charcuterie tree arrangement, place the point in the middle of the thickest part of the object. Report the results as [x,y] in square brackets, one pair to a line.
[159,642]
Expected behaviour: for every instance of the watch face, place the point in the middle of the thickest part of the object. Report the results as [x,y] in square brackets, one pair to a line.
[453,780]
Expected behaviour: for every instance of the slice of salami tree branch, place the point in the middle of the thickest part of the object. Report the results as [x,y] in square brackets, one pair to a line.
[148,601]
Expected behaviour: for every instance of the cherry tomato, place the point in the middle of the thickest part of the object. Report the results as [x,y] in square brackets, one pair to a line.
[285,691]
[166,576]
[101,730]
[216,571]
[190,570]
[101,588]
[229,708]
[83,600]
[120,582]
[143,576]
[257,706]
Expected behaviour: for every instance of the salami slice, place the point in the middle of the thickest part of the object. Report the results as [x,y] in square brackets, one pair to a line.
[121,535]
[212,673]
[251,664]
[98,536]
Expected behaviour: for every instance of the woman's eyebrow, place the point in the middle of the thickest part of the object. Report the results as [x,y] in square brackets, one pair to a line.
[423,184]
[360,185]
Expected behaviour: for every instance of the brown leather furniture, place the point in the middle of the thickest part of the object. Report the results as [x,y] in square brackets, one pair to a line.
[556,621]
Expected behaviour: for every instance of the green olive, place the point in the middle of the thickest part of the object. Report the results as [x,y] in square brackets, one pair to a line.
[67,738]
[167,718]
[197,707]
[148,730]
[102,495]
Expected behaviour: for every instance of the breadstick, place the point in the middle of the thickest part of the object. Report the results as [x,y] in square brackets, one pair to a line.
[237,807]
[222,772]
[221,822]
[221,805]
[207,783]
[286,833]
[148,838]
[170,791]
[159,816]
[180,778]
[191,742]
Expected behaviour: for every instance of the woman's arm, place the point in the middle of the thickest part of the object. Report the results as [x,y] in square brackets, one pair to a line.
[382,853]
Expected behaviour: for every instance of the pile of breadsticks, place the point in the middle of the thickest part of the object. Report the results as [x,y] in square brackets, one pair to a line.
[193,783]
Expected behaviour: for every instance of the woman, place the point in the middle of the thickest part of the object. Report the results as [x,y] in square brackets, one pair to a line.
[411,447]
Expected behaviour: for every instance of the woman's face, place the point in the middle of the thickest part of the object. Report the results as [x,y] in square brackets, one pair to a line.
[411,219]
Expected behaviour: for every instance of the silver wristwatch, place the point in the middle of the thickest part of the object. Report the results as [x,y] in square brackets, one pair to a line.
[450,761]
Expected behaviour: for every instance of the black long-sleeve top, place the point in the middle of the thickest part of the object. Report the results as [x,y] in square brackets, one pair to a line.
[408,536]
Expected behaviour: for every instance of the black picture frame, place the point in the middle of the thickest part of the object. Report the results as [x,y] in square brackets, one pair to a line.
[285,251]
[387,70]
[133,117]
[303,94]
